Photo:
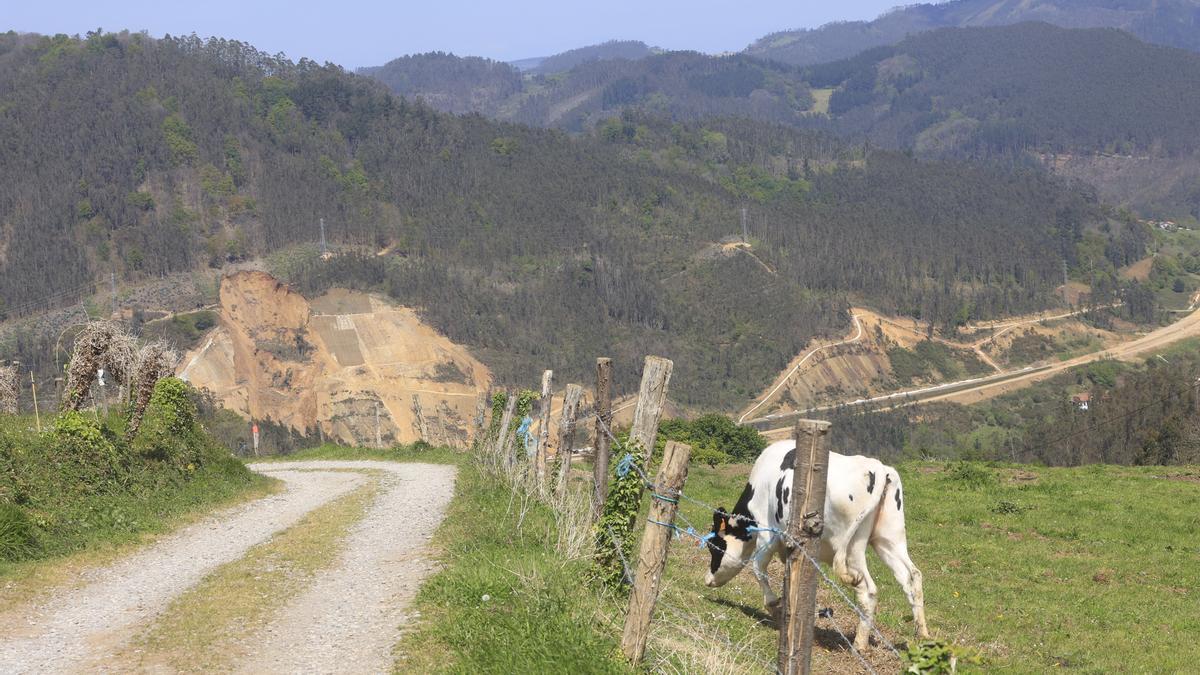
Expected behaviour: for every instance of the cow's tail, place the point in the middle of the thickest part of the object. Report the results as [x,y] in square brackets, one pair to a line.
[840,568]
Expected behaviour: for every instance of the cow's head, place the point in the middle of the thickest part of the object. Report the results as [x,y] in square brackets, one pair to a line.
[729,546]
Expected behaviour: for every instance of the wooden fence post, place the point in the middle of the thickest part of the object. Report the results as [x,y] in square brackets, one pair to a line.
[503,432]
[798,614]
[566,433]
[544,432]
[656,543]
[656,375]
[603,410]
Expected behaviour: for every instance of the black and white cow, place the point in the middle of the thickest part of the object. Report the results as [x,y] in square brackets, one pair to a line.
[863,505]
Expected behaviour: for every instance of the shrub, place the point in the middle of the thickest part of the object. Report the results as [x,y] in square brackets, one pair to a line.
[934,657]
[712,436]
[85,451]
[168,432]
[971,475]
[710,456]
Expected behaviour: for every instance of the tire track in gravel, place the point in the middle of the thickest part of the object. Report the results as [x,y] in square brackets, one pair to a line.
[351,616]
[74,626]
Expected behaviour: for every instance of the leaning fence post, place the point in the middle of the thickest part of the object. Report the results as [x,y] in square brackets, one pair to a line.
[503,432]
[603,443]
[566,433]
[656,375]
[544,432]
[656,543]
[798,614]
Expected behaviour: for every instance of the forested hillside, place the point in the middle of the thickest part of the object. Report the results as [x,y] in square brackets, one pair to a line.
[146,156]
[575,91]
[995,91]
[1167,22]
[613,49]
[451,83]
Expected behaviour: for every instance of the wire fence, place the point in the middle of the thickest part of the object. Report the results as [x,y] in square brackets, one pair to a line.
[756,562]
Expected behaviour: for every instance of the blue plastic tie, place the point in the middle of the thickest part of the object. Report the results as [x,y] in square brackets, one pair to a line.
[625,465]
[673,528]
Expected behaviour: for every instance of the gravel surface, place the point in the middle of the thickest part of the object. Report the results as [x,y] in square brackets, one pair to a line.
[350,617]
[78,625]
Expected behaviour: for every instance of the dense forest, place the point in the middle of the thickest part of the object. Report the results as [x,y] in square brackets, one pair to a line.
[983,92]
[684,85]
[1166,22]
[451,83]
[141,157]
[1137,414]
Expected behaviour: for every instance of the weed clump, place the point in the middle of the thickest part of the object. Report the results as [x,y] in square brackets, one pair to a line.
[971,475]
[17,538]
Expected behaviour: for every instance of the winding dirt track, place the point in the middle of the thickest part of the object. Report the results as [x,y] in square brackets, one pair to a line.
[346,621]
[979,389]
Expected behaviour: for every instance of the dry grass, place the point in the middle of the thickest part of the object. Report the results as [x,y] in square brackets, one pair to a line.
[205,628]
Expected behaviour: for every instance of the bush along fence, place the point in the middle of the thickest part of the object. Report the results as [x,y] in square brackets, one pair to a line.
[602,519]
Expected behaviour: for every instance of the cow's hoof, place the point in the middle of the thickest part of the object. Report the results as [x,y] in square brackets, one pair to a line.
[775,609]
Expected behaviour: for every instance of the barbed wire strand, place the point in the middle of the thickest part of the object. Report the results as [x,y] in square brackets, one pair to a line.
[680,614]
[765,550]
[753,562]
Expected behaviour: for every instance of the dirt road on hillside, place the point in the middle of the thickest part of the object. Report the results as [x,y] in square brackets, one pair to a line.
[980,389]
[346,621]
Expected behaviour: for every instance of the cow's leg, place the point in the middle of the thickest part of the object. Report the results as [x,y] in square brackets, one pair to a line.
[894,553]
[867,594]
[762,558]
[890,541]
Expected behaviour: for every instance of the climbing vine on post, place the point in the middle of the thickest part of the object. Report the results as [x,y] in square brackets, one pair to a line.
[620,511]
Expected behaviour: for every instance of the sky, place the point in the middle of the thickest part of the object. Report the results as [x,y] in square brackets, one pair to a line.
[356,33]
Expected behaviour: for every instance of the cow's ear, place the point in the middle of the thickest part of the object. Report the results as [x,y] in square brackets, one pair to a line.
[720,519]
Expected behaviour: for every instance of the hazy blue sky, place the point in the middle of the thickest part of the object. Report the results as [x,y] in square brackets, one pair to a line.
[359,32]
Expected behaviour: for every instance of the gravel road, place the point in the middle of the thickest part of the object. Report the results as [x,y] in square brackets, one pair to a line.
[350,617]
[347,620]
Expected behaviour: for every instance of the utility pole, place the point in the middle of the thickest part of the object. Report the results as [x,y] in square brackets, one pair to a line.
[745,234]
[324,250]
[112,280]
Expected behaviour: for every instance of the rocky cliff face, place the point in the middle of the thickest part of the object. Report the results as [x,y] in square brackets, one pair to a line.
[348,364]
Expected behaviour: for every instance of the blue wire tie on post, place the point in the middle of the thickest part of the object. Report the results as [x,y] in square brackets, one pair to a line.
[674,529]
[624,466]
[523,430]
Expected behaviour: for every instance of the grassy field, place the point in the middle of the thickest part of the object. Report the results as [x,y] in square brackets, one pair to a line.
[1093,569]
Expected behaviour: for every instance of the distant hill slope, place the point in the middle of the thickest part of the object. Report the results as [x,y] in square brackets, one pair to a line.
[1174,23]
[575,90]
[141,157]
[1033,88]
[1015,87]
[450,83]
[631,50]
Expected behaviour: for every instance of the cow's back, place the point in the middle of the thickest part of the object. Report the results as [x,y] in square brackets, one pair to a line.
[853,490]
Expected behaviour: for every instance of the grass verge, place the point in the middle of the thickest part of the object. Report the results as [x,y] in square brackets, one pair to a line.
[207,626]
[506,601]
